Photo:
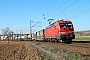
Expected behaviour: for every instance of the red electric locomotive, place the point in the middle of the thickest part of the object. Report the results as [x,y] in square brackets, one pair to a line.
[61,30]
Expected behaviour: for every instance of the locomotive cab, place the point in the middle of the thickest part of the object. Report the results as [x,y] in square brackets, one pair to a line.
[66,31]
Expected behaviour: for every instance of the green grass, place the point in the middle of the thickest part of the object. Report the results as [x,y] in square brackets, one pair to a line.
[76,56]
[82,39]
[45,55]
[54,50]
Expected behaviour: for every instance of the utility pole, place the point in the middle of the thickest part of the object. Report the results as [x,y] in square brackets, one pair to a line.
[20,35]
[30,26]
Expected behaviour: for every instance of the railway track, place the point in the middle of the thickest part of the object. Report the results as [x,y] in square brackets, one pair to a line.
[84,44]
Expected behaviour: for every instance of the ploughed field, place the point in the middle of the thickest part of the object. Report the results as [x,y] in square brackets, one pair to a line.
[18,51]
[33,50]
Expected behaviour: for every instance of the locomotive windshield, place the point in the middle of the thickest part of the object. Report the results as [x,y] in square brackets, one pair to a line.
[65,25]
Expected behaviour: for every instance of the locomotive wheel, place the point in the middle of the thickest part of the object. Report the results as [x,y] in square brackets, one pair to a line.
[69,41]
[57,41]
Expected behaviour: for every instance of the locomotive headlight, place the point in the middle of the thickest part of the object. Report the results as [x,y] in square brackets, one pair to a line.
[62,32]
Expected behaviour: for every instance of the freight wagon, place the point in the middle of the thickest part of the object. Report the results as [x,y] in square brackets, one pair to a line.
[39,35]
[61,30]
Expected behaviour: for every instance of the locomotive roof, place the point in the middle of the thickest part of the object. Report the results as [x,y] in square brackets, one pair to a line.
[57,21]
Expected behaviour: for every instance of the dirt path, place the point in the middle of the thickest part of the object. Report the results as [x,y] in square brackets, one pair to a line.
[18,51]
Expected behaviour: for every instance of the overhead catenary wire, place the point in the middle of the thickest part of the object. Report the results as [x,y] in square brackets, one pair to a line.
[60,6]
[66,8]
[46,9]
[83,12]
[77,8]
[48,5]
[49,10]
[51,7]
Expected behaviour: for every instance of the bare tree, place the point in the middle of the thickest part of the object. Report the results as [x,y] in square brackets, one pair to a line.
[7,32]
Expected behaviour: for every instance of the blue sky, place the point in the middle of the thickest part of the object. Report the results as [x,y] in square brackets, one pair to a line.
[17,14]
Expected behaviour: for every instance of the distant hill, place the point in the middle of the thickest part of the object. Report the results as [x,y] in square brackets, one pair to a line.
[83,33]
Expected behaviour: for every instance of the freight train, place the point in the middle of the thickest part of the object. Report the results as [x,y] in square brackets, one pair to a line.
[61,30]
